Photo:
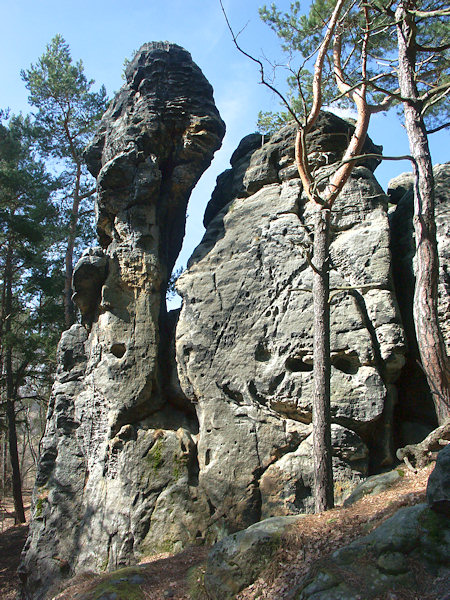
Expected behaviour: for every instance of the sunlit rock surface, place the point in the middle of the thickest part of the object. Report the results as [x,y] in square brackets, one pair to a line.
[244,338]
[118,471]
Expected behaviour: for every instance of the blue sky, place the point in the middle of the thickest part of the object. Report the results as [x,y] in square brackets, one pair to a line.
[103,33]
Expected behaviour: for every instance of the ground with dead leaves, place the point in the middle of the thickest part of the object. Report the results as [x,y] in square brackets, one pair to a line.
[180,576]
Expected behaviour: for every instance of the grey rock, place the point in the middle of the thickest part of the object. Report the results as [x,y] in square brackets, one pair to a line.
[236,561]
[287,484]
[262,160]
[438,488]
[88,278]
[119,455]
[244,337]
[374,485]
[374,565]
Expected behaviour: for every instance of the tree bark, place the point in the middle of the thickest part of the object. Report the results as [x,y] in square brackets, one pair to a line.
[321,414]
[69,307]
[430,341]
[10,412]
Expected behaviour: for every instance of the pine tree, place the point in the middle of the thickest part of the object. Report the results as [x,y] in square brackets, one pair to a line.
[407,66]
[68,112]
[30,311]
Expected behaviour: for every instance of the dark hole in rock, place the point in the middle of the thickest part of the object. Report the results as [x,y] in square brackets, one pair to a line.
[297,365]
[262,354]
[207,457]
[118,350]
[68,360]
[347,364]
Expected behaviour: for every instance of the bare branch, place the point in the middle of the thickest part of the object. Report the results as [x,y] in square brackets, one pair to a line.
[261,68]
[439,128]
[429,14]
[444,87]
[432,48]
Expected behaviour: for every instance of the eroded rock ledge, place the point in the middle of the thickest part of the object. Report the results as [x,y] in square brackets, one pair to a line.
[118,456]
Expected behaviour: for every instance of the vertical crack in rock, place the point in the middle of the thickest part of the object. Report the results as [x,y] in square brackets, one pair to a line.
[415,410]
[97,503]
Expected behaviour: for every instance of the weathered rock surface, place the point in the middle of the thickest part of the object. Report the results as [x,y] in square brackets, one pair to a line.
[237,560]
[388,557]
[415,407]
[438,489]
[118,472]
[244,338]
[374,485]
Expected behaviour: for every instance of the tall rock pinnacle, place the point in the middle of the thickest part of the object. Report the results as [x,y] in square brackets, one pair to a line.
[117,455]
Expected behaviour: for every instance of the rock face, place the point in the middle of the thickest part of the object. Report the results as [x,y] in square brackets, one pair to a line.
[415,407]
[438,489]
[244,338]
[118,471]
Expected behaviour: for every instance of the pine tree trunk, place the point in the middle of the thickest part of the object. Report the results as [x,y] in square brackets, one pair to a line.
[69,306]
[429,336]
[4,451]
[321,420]
[10,412]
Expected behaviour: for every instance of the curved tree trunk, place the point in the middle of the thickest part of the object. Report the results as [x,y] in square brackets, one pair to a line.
[321,419]
[429,337]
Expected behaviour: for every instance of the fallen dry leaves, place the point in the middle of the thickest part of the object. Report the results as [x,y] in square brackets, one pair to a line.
[316,536]
[313,537]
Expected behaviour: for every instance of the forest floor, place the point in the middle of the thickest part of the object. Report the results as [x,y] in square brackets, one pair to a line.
[180,576]
[12,540]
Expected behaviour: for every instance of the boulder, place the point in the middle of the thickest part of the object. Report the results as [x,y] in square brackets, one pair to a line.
[374,485]
[438,488]
[118,472]
[237,560]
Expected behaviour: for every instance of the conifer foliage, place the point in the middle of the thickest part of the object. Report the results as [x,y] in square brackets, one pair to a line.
[46,208]
[68,112]
[30,306]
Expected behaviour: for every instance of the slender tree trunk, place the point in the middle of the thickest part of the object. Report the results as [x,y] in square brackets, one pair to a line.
[4,462]
[323,468]
[10,412]
[429,336]
[69,307]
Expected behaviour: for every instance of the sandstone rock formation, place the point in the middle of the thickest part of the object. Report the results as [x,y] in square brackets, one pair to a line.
[438,489]
[118,471]
[150,446]
[244,339]
[236,561]
[415,408]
